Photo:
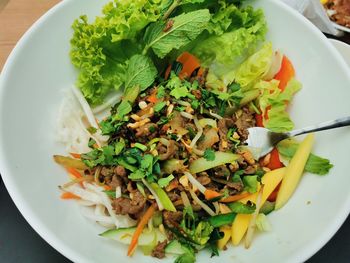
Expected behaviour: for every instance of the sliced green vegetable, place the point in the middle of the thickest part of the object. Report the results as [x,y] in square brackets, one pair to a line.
[221,158]
[163,197]
[267,207]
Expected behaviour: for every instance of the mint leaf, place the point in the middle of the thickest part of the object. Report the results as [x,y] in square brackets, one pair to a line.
[140,72]
[123,109]
[185,28]
[164,182]
[209,155]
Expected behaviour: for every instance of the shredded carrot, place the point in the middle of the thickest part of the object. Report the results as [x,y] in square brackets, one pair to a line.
[275,161]
[259,120]
[210,194]
[286,73]
[152,98]
[74,172]
[189,64]
[69,195]
[234,198]
[76,155]
[107,187]
[144,220]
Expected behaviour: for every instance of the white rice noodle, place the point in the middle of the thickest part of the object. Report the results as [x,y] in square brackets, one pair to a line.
[70,130]
[90,213]
[199,132]
[195,183]
[85,203]
[119,220]
[275,67]
[159,203]
[110,102]
[85,106]
[203,205]
[98,137]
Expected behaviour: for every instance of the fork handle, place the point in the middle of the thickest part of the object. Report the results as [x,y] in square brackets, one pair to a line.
[337,123]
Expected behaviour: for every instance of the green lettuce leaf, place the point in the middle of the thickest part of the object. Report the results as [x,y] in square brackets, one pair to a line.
[233,34]
[184,29]
[253,69]
[315,164]
[101,50]
[274,101]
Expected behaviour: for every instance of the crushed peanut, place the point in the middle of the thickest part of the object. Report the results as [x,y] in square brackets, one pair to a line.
[138,124]
[142,105]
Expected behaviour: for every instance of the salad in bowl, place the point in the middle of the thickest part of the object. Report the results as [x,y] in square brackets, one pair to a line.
[156,123]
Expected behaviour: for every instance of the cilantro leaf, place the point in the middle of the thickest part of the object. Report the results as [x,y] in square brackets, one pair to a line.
[209,155]
[179,92]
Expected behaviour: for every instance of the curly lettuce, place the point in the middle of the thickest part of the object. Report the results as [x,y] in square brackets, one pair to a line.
[273,103]
[233,34]
[100,50]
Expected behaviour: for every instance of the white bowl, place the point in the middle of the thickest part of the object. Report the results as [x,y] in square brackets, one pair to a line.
[30,93]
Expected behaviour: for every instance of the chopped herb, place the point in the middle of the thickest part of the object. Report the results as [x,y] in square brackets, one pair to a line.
[164,119]
[141,146]
[209,155]
[91,143]
[137,175]
[110,193]
[250,183]
[159,106]
[160,92]
[119,146]
[180,108]
[164,182]
[152,129]
[123,109]
[195,104]
[91,130]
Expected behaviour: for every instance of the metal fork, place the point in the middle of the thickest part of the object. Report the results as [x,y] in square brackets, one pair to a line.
[261,140]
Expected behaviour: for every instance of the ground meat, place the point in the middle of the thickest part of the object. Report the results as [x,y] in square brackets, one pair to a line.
[120,171]
[107,171]
[145,131]
[223,126]
[172,219]
[115,182]
[174,196]
[340,11]
[250,169]
[170,150]
[204,180]
[244,121]
[221,171]
[159,250]
[124,206]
